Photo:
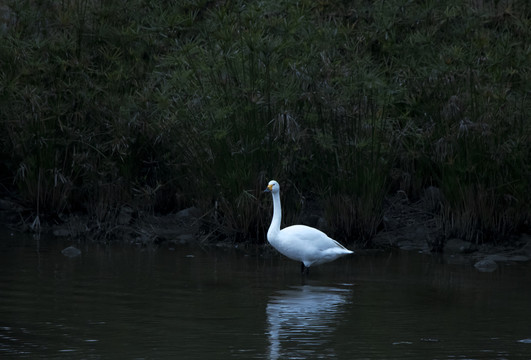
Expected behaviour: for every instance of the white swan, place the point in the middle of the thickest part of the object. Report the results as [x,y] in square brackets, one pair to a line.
[300,242]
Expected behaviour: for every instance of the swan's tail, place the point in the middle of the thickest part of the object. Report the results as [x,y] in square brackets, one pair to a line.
[341,247]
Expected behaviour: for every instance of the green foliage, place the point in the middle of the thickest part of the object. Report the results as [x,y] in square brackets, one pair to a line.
[161,105]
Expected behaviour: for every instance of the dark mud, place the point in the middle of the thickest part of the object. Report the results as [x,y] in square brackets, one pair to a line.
[407,225]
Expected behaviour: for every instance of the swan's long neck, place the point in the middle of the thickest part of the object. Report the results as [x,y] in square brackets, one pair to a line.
[274,228]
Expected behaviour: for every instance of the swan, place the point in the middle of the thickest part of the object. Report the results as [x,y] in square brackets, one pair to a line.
[300,242]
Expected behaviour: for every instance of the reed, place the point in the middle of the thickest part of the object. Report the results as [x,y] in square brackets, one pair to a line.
[161,106]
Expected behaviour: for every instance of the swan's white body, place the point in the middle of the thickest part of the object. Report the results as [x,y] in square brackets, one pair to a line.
[300,242]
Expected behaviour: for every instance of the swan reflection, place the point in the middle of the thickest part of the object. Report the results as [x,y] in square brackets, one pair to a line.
[302,320]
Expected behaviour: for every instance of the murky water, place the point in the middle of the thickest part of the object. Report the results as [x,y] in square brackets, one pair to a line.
[192,303]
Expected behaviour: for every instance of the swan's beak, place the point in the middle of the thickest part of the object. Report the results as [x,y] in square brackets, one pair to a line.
[269,188]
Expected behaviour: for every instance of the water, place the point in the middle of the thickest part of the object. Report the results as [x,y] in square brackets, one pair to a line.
[126,302]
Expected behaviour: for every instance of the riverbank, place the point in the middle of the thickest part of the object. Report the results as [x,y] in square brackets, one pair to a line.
[115,110]
[408,226]
[412,227]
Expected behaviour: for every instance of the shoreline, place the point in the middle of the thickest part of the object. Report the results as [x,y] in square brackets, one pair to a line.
[407,226]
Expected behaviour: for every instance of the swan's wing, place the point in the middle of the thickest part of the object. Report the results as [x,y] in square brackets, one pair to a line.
[310,237]
[309,245]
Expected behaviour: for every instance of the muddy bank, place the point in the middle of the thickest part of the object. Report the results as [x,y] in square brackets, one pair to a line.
[409,226]
[414,226]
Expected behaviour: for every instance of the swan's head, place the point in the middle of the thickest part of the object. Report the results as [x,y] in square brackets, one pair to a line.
[273,187]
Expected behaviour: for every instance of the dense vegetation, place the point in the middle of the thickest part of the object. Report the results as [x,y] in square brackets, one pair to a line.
[162,105]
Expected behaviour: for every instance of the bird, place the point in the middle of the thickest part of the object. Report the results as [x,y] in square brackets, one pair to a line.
[301,243]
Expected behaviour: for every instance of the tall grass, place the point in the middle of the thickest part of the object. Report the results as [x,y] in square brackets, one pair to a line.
[161,106]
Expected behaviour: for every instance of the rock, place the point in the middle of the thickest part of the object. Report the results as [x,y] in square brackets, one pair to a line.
[525,240]
[389,222]
[191,212]
[486,265]
[125,216]
[408,245]
[9,206]
[384,239]
[412,245]
[61,232]
[72,226]
[436,242]
[185,238]
[71,252]
[458,246]
[522,258]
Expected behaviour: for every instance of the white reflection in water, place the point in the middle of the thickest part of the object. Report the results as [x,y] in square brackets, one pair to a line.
[302,320]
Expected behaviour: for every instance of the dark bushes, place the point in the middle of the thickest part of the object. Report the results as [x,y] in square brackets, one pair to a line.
[161,106]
